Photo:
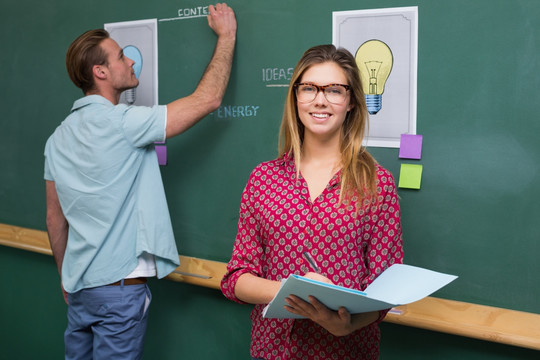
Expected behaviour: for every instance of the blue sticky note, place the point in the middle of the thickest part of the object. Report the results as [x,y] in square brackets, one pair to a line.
[410,146]
[410,176]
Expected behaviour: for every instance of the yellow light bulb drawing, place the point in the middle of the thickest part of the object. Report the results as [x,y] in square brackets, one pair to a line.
[375,60]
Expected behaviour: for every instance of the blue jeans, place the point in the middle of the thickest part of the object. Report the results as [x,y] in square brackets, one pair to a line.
[107,322]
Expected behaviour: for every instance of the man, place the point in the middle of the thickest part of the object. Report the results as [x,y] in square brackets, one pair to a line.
[107,216]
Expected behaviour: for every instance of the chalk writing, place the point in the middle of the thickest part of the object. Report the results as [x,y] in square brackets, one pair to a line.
[189,13]
[236,111]
[193,12]
[276,74]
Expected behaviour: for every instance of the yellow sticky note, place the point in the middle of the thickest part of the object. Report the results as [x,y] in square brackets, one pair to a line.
[410,176]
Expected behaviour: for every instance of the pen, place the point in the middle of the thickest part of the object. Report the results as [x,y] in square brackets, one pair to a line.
[311,261]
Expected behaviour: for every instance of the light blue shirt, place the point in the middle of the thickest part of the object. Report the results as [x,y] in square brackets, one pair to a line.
[108,181]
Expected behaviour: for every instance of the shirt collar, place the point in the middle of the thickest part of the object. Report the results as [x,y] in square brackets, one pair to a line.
[290,167]
[90,99]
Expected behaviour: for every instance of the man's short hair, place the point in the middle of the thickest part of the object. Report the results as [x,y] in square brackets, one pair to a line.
[82,55]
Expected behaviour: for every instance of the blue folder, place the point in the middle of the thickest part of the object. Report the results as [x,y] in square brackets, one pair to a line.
[398,285]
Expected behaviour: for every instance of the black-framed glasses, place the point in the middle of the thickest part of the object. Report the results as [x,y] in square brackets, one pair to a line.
[334,93]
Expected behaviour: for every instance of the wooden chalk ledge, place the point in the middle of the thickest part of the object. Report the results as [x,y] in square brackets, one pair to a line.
[454,317]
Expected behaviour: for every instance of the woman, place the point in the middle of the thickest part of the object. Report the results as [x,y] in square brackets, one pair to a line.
[324,195]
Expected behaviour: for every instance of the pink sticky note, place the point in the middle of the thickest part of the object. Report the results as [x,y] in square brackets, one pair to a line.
[161,151]
[410,146]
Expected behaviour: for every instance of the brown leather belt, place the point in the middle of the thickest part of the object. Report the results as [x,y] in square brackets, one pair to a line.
[132,281]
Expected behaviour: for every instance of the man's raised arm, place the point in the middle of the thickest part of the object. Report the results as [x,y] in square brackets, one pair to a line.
[185,112]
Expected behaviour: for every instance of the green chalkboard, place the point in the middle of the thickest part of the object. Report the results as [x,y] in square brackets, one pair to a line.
[476,214]
[477,101]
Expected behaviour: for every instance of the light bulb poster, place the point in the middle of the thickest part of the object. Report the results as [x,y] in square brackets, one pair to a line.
[134,54]
[384,43]
[374,59]
[138,40]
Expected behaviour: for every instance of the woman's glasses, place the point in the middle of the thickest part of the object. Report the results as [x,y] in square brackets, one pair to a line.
[334,93]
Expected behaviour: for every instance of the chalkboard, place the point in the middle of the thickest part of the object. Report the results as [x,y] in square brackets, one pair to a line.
[477,111]
[476,214]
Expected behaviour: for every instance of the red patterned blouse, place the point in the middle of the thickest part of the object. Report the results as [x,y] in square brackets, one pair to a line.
[278,222]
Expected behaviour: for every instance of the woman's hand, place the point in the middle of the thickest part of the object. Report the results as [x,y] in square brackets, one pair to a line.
[318,277]
[337,323]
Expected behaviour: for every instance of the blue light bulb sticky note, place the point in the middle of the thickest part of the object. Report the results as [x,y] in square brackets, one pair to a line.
[410,146]
[134,54]
[410,176]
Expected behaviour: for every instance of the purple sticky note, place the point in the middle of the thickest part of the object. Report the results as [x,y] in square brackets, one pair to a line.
[161,151]
[410,146]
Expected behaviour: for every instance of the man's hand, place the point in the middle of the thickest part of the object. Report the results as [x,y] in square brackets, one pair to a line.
[222,20]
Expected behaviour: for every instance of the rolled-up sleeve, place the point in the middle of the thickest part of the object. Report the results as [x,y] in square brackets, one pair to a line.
[248,252]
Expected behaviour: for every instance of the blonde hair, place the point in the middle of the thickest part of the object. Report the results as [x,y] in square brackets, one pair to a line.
[358,175]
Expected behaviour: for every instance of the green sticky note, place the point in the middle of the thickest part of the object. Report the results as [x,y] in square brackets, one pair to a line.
[410,176]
